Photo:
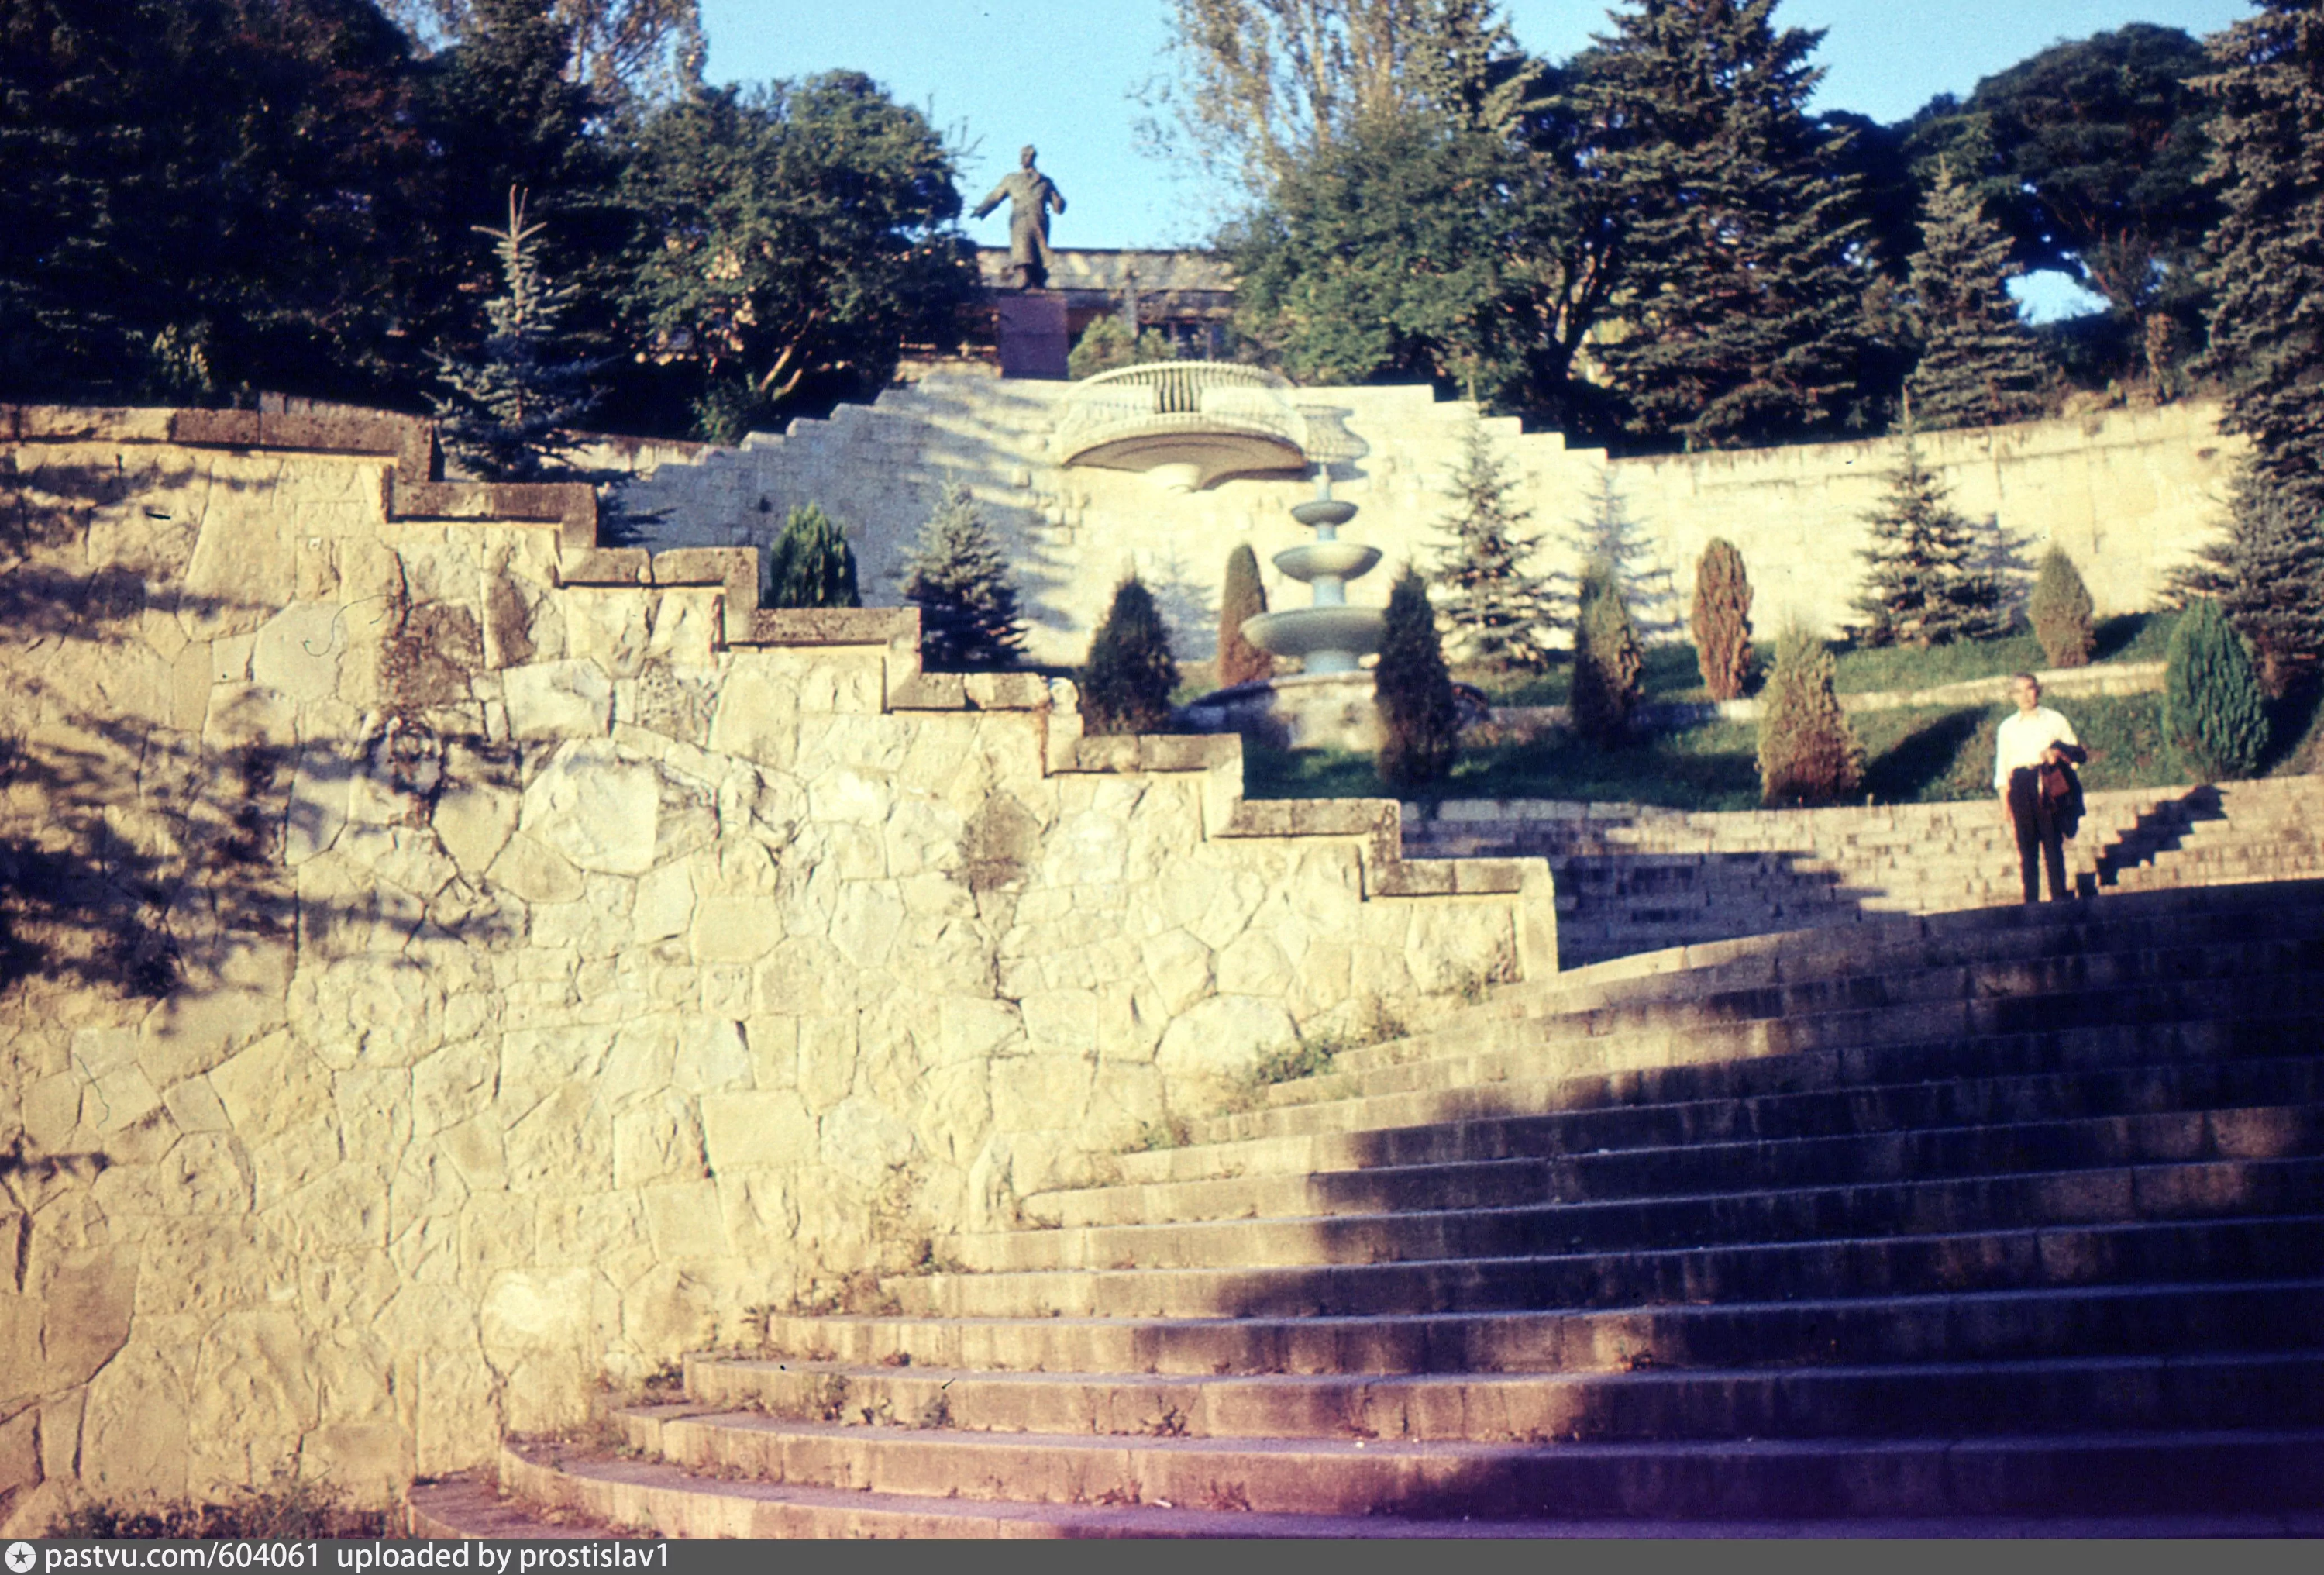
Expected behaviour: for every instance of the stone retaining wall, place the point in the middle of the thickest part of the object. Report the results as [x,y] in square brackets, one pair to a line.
[454,964]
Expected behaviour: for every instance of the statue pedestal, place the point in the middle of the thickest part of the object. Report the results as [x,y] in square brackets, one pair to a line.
[1030,326]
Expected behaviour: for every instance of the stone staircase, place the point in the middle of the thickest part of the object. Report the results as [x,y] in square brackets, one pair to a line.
[2002,1219]
[1632,878]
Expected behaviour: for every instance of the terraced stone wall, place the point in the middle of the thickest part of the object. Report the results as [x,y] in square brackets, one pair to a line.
[451,965]
[2128,494]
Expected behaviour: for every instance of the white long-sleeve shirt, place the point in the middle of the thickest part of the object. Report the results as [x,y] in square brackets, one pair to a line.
[2022,739]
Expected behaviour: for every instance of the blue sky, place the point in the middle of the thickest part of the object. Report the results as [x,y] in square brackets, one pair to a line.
[1063,74]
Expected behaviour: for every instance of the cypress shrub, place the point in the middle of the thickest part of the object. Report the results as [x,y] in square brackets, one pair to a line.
[1722,620]
[1243,598]
[2061,609]
[1808,754]
[2213,706]
[1419,722]
[1127,684]
[1608,665]
[811,565]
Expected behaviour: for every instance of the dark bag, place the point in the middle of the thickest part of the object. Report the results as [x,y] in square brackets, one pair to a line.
[2062,791]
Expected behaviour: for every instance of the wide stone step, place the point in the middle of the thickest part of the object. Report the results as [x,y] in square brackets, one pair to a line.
[2230,1248]
[2185,1391]
[1979,1202]
[1517,1147]
[2254,1468]
[1474,1123]
[2127,1319]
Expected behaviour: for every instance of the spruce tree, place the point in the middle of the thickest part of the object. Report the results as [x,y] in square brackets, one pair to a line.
[1127,682]
[2213,709]
[2266,330]
[1808,754]
[958,578]
[1609,534]
[1926,585]
[508,407]
[1722,620]
[1240,599]
[1608,665]
[1980,363]
[1741,295]
[1420,721]
[2061,609]
[811,565]
[1496,613]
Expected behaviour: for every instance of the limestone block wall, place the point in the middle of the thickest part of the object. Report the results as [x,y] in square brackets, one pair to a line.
[2128,494]
[449,965]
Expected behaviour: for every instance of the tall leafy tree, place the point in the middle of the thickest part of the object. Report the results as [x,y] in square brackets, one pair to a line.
[792,238]
[1980,363]
[2091,153]
[619,49]
[1741,285]
[2267,327]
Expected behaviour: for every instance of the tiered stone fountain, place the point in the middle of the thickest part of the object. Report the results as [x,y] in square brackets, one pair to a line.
[1330,703]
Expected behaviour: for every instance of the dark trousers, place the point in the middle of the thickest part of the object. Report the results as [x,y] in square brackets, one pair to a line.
[2039,844]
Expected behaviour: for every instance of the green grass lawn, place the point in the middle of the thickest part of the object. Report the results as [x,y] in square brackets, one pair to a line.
[1918,755]
[1670,673]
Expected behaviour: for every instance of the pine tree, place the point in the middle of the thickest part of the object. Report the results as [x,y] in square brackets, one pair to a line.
[1608,665]
[2266,331]
[1495,612]
[509,407]
[1926,585]
[1808,754]
[1741,295]
[811,565]
[1722,620]
[1980,363]
[1126,685]
[1243,598]
[1609,534]
[958,578]
[1420,722]
[2213,709]
[2061,609]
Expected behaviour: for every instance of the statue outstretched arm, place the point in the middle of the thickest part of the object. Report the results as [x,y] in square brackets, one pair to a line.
[1000,195]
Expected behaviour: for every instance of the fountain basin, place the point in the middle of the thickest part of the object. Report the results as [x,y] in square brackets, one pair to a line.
[1327,559]
[1323,511]
[1305,631]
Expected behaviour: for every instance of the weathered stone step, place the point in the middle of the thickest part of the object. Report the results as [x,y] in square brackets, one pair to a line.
[2227,1248]
[2127,1319]
[1998,1037]
[2088,1471]
[1981,1201]
[675,1503]
[1515,1147]
[1478,1123]
[2191,1390]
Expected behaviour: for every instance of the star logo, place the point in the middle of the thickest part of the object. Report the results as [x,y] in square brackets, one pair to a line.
[21,1557]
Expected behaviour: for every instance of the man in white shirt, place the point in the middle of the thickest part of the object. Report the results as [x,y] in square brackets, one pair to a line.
[2034,737]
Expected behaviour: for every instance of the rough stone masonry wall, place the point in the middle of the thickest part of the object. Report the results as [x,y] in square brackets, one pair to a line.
[2128,494]
[449,965]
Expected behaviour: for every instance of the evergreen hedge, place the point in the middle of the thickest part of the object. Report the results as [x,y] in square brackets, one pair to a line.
[2061,609]
[1722,620]
[1606,662]
[1808,754]
[1420,722]
[2214,710]
[1127,682]
[1240,599]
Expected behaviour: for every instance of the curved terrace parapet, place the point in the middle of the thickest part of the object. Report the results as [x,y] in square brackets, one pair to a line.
[1193,423]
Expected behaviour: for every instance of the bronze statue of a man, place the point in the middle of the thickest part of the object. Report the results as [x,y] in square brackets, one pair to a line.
[1032,197]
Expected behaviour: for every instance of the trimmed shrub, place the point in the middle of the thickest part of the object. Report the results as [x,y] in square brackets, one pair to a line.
[2061,609]
[1808,754]
[1722,620]
[1241,598]
[1420,723]
[1127,684]
[811,565]
[2213,706]
[1608,665]
[958,578]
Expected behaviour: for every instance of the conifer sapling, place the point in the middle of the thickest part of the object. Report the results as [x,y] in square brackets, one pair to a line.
[1808,754]
[1126,685]
[1608,664]
[1420,721]
[1241,598]
[958,578]
[2213,707]
[811,565]
[2061,609]
[1722,620]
